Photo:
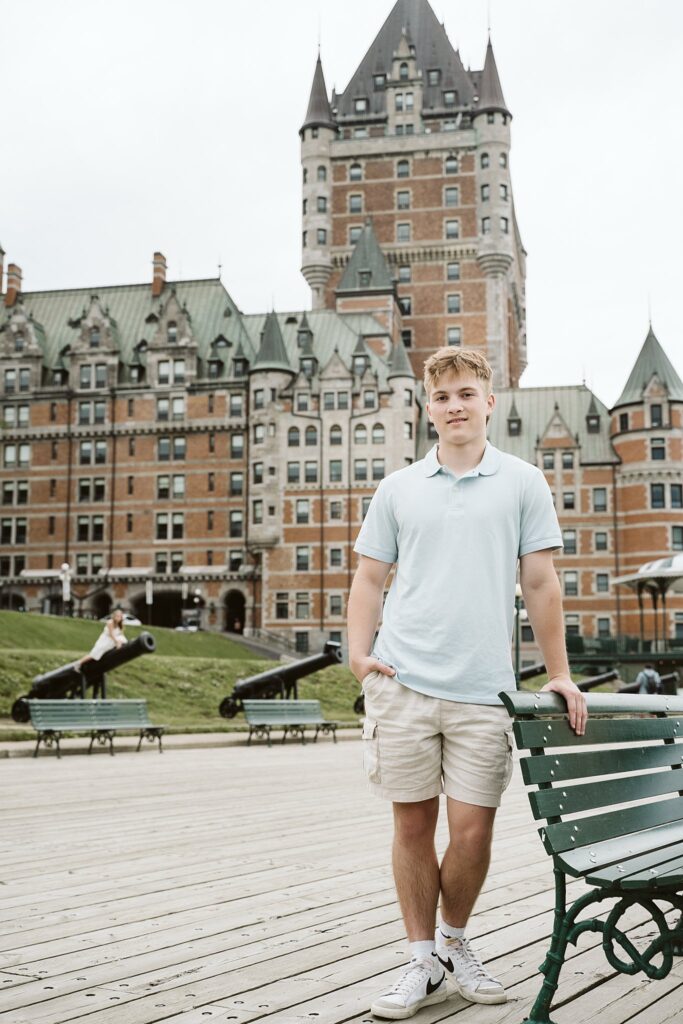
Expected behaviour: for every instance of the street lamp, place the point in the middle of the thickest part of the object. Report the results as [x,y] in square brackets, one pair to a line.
[65,577]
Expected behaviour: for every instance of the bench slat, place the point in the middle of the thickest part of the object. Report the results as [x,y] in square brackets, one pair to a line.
[568,835]
[611,851]
[604,730]
[668,875]
[616,874]
[598,762]
[547,803]
[523,702]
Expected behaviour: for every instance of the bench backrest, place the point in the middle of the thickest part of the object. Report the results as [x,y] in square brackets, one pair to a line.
[589,784]
[63,714]
[282,712]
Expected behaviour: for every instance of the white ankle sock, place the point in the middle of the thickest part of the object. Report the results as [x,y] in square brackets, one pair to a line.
[449,932]
[421,950]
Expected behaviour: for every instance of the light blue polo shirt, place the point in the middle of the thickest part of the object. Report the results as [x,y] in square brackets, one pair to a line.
[448,617]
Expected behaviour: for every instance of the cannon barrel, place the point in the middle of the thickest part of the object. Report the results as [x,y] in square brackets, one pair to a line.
[604,677]
[68,680]
[278,681]
[669,685]
[532,670]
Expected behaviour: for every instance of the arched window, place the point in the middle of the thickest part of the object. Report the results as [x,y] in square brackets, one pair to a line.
[360,434]
[172,332]
[335,434]
[322,173]
[378,434]
[355,172]
[451,165]
[311,436]
[484,160]
[293,437]
[403,169]
[94,337]
[403,71]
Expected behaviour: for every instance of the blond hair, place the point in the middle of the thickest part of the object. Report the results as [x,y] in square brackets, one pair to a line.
[459,360]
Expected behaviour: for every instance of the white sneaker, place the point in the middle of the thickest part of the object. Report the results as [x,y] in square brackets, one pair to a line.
[419,984]
[467,972]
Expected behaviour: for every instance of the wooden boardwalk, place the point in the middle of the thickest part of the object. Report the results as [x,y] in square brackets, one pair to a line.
[236,884]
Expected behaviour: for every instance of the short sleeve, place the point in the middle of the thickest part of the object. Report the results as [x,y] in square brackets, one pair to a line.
[539,528]
[378,537]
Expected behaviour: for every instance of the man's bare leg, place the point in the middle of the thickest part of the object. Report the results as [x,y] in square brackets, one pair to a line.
[416,868]
[466,861]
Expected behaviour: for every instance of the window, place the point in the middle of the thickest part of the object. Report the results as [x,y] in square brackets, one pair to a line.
[360,469]
[162,408]
[335,471]
[129,522]
[569,541]
[355,172]
[11,380]
[484,161]
[293,439]
[321,235]
[163,449]
[485,193]
[293,472]
[369,399]
[567,460]
[322,173]
[451,165]
[211,482]
[407,337]
[361,105]
[335,558]
[360,434]
[503,160]
[655,415]
[257,473]
[409,105]
[485,225]
[600,541]
[378,469]
[303,559]
[236,405]
[403,169]
[236,446]
[85,376]
[311,436]
[282,605]
[259,433]
[677,495]
[453,336]
[302,510]
[354,234]
[549,460]
[24,379]
[257,510]
[259,398]
[604,628]
[453,271]
[398,102]
[365,505]
[657,496]
[407,431]
[179,448]
[236,522]
[658,449]
[403,200]
[311,472]
[355,204]
[163,371]
[677,538]
[505,225]
[85,453]
[568,500]
[302,605]
[451,196]
[503,192]
[236,484]
[101,375]
[335,604]
[453,304]
[379,81]
[403,71]
[405,273]
[335,434]
[321,204]
[163,487]
[406,304]
[623,421]
[403,232]
[131,446]
[571,583]
[602,582]
[452,229]
[599,499]
[378,434]
[335,510]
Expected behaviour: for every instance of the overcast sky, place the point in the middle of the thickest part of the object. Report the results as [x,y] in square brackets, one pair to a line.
[135,125]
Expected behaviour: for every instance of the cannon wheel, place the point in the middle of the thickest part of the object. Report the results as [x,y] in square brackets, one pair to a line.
[359,705]
[229,707]
[20,710]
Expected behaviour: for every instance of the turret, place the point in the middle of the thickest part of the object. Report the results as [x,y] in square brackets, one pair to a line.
[317,133]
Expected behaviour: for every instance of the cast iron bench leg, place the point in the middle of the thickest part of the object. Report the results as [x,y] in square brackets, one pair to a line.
[334,732]
[35,752]
[142,733]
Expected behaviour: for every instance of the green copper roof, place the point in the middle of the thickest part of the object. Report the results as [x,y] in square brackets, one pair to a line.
[399,364]
[366,259]
[319,111]
[652,360]
[272,354]
[490,90]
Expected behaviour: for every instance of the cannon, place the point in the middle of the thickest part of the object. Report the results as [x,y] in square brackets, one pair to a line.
[280,681]
[70,681]
[604,677]
[669,685]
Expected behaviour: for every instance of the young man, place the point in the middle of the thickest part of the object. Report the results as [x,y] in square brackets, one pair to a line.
[456,524]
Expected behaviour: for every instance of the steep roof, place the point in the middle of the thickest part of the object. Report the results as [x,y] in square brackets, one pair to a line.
[367,257]
[652,359]
[319,110]
[272,354]
[490,90]
[399,364]
[416,20]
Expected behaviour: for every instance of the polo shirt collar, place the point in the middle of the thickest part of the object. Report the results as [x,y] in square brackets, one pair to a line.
[490,462]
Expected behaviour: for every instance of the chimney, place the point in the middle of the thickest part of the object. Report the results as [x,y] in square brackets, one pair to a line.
[159,279]
[13,284]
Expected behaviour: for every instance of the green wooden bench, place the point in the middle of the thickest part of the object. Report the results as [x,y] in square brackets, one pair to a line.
[632,854]
[101,718]
[293,716]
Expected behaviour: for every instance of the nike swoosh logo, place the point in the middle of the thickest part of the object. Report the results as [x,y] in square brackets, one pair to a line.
[445,963]
[432,988]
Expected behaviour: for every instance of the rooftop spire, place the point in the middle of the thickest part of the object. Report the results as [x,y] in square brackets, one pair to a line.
[652,361]
[490,90]
[399,364]
[272,354]
[367,269]
[319,112]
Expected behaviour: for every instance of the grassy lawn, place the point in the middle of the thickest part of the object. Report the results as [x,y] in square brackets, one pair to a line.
[183,682]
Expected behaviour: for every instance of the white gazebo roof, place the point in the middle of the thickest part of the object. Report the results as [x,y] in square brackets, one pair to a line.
[663,574]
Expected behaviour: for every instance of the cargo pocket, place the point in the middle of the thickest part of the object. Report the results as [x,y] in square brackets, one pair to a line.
[371,750]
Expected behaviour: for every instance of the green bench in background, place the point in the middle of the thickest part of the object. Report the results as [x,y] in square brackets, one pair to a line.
[293,716]
[631,854]
[101,718]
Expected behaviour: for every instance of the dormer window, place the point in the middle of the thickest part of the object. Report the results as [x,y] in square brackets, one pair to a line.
[214,368]
[19,341]
[359,363]
[135,374]
[364,277]
[172,333]
[450,98]
[593,423]
[433,76]
[403,72]
[95,337]
[361,105]
[379,81]
[59,376]
[307,366]
[239,367]
[514,426]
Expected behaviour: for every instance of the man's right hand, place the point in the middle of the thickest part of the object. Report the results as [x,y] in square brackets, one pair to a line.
[362,667]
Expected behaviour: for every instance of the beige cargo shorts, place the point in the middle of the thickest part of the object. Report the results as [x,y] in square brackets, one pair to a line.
[416,747]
